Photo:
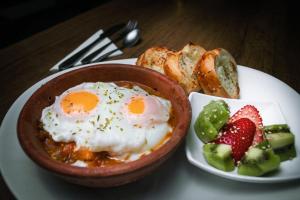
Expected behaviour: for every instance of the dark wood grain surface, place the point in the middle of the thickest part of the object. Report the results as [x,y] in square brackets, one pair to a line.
[259,34]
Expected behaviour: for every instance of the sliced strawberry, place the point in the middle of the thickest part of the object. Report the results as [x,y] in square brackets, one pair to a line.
[239,135]
[251,113]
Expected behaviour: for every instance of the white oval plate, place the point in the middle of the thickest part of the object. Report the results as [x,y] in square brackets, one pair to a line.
[184,181]
[277,103]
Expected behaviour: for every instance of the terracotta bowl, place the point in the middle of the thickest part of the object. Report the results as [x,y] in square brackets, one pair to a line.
[109,175]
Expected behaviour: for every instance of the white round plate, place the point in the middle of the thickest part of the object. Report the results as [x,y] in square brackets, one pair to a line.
[184,181]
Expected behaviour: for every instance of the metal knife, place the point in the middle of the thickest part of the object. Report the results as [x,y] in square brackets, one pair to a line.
[69,62]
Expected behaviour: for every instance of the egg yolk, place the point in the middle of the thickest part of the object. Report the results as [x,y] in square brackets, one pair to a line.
[78,102]
[136,106]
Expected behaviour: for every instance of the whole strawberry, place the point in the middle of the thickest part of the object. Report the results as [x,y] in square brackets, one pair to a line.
[251,113]
[239,135]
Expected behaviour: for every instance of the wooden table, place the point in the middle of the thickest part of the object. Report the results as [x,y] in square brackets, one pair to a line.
[258,34]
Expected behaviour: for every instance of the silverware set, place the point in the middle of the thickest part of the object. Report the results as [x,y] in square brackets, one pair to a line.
[128,33]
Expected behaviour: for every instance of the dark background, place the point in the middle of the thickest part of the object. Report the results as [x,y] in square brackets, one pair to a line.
[20,19]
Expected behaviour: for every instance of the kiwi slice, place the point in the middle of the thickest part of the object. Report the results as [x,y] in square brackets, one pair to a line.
[283,145]
[219,156]
[210,120]
[281,140]
[258,161]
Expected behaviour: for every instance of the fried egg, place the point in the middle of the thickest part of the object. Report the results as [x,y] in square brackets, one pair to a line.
[146,110]
[126,122]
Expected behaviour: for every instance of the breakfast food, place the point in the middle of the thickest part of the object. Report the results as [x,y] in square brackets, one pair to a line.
[251,113]
[281,140]
[154,58]
[239,136]
[94,124]
[179,65]
[219,156]
[258,161]
[195,69]
[241,140]
[217,74]
[211,119]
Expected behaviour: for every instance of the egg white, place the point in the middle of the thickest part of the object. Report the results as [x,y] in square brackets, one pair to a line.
[108,127]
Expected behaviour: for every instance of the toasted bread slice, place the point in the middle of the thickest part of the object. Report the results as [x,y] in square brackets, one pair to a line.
[217,74]
[154,58]
[180,66]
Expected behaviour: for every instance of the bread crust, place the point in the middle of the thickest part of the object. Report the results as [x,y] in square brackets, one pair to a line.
[176,68]
[194,68]
[172,69]
[207,76]
[154,58]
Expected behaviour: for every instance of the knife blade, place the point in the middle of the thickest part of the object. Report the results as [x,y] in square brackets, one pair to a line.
[69,62]
[91,56]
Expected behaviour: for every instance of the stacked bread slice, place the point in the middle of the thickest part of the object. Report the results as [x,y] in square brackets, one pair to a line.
[195,69]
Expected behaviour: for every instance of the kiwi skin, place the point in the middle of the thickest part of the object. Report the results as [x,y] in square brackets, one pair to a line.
[210,120]
[275,128]
[286,153]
